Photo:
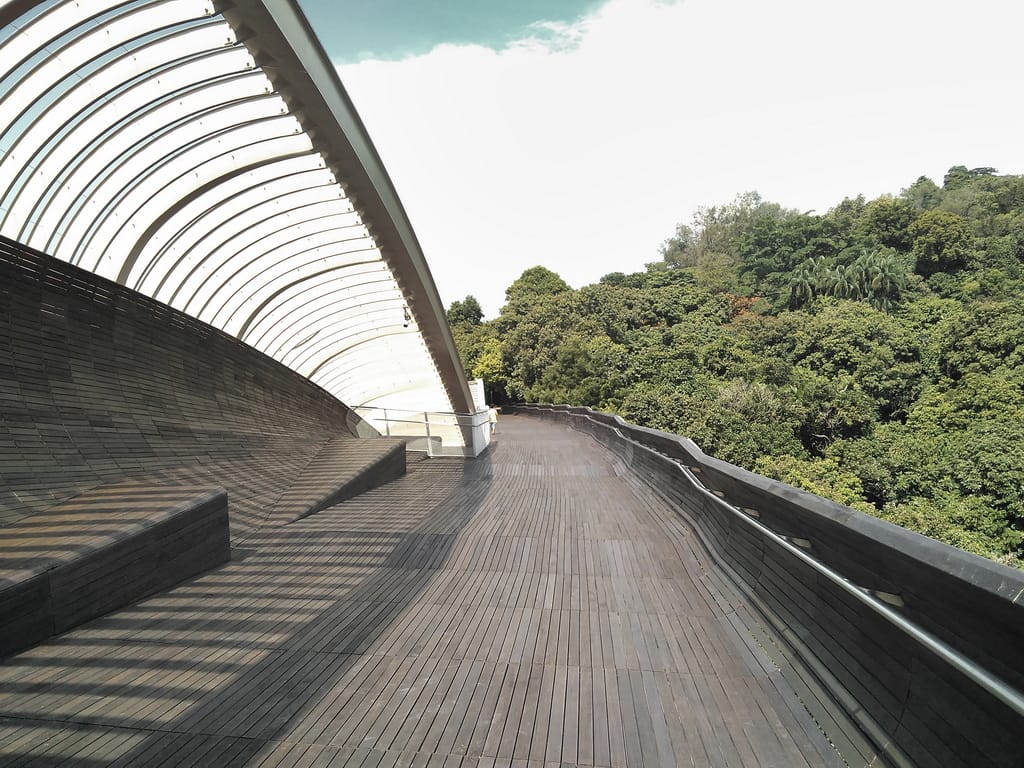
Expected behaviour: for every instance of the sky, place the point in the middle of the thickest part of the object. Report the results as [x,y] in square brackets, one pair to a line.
[578,135]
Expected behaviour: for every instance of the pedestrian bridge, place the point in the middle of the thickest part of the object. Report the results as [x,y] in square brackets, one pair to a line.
[218,336]
[550,603]
[534,607]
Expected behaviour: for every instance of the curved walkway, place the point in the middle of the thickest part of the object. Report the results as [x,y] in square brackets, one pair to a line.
[530,608]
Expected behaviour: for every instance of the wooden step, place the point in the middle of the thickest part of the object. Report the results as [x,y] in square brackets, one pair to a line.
[102,550]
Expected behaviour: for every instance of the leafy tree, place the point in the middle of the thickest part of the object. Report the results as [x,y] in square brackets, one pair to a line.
[955,177]
[874,355]
[809,279]
[823,477]
[681,250]
[848,214]
[844,338]
[742,421]
[470,340]
[535,282]
[923,195]
[532,327]
[958,176]
[466,311]
[586,370]
[489,365]
[990,204]
[716,230]
[940,242]
[657,405]
[832,408]
[879,277]
[962,521]
[984,338]
[887,221]
[773,248]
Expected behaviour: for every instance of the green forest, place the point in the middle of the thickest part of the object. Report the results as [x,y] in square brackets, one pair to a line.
[873,354]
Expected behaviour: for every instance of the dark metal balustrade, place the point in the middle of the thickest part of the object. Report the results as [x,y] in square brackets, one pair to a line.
[907,649]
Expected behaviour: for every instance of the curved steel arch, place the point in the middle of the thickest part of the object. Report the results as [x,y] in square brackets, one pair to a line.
[205,153]
[78,161]
[213,206]
[384,303]
[337,283]
[217,226]
[271,317]
[59,121]
[332,243]
[327,345]
[144,193]
[261,246]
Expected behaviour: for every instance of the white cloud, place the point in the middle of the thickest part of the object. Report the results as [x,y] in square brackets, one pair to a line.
[582,147]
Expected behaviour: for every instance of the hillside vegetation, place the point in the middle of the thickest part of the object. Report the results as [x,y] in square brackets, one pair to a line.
[873,355]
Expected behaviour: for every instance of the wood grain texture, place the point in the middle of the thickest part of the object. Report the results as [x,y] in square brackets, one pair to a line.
[529,608]
[100,384]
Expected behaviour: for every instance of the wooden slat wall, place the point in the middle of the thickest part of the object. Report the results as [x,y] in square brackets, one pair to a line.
[99,383]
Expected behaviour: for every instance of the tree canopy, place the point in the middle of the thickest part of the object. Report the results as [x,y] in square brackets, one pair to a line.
[466,311]
[873,354]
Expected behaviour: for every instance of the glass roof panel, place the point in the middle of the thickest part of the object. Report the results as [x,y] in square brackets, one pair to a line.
[215,163]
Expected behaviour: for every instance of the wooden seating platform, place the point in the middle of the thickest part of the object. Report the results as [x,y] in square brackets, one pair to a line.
[276,489]
[117,414]
[117,543]
[102,550]
[100,384]
[530,608]
[343,468]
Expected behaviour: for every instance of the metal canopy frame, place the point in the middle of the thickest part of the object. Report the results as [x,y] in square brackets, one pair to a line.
[205,153]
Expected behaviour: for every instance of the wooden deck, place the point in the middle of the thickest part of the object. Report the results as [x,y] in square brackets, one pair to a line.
[530,608]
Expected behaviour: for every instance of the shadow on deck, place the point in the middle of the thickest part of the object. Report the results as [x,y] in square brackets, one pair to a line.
[529,608]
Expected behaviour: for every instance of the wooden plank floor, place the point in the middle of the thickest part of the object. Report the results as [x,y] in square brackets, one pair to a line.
[525,609]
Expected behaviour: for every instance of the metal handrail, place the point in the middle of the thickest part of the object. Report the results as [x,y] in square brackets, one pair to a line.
[980,676]
[475,419]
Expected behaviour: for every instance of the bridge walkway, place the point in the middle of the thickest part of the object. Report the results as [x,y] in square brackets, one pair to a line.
[530,608]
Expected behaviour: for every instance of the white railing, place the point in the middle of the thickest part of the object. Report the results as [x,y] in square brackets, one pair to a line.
[439,433]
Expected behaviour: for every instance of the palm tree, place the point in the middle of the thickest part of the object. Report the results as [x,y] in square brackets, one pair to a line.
[842,283]
[802,285]
[881,276]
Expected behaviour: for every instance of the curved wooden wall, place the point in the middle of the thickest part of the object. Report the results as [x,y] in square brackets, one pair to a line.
[99,383]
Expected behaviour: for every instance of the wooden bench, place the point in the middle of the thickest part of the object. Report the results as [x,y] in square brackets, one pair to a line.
[342,469]
[267,492]
[104,549]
